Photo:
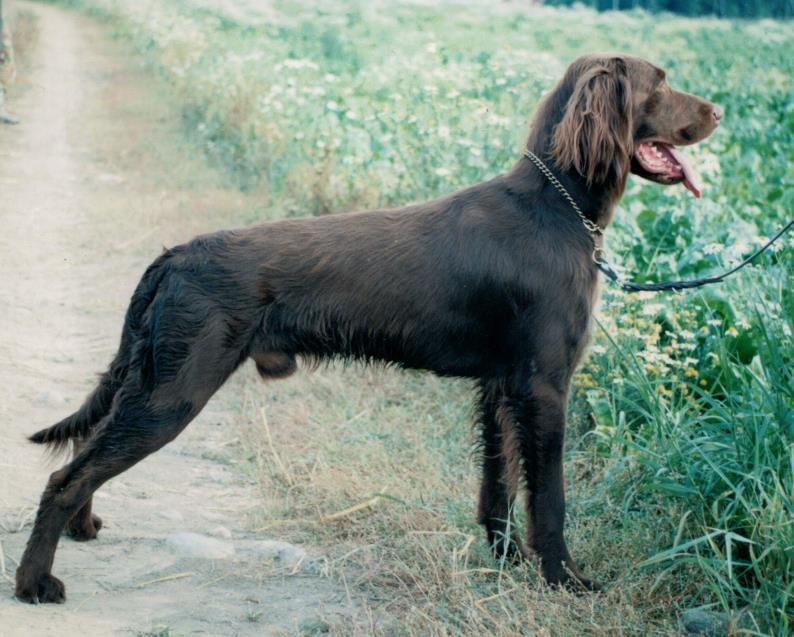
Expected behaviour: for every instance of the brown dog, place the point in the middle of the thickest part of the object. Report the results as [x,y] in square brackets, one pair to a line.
[494,283]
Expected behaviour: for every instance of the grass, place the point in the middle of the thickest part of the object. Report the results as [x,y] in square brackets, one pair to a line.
[159,631]
[681,447]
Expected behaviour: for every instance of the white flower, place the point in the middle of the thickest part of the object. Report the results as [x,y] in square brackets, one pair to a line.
[652,309]
[443,172]
[301,64]
[332,106]
[493,119]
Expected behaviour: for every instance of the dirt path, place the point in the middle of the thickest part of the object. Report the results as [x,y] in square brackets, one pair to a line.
[92,183]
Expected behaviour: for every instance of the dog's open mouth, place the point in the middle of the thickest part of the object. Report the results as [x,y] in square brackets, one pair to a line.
[666,164]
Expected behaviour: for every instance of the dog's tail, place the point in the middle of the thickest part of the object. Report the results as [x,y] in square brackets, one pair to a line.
[98,404]
[81,422]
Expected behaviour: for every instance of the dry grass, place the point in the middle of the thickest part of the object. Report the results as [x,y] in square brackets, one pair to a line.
[379,468]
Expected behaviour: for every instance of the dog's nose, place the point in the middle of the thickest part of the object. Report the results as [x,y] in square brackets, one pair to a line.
[717,113]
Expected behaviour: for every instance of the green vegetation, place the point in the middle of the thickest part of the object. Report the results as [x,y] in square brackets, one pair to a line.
[681,449]
[721,8]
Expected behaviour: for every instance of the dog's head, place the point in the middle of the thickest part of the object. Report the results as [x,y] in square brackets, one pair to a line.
[623,117]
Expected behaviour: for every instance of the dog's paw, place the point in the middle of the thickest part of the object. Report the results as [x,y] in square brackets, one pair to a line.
[508,553]
[581,585]
[576,584]
[505,548]
[44,589]
[81,532]
[562,575]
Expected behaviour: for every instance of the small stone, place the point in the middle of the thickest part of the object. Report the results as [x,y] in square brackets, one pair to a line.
[313,626]
[173,515]
[221,531]
[283,552]
[697,621]
[48,398]
[200,546]
[110,178]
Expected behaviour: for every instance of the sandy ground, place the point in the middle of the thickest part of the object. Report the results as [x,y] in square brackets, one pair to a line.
[92,183]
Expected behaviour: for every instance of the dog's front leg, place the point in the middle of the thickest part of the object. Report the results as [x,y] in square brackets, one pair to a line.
[500,474]
[542,435]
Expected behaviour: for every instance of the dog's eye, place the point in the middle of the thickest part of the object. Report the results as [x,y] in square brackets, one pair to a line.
[652,102]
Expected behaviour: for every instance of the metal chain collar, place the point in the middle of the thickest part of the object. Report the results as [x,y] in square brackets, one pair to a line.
[593,228]
[596,231]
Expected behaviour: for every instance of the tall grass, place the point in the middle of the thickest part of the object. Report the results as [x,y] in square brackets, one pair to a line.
[682,440]
[716,443]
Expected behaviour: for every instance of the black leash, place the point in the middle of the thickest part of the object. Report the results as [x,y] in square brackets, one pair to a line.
[599,255]
[630,286]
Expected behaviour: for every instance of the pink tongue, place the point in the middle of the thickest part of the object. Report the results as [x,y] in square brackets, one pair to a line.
[691,179]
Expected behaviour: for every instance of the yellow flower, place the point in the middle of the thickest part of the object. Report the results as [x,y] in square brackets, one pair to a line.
[690,372]
[732,331]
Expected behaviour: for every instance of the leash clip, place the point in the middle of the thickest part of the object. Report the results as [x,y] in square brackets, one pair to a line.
[600,259]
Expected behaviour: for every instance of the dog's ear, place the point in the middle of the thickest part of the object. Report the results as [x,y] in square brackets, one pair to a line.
[594,137]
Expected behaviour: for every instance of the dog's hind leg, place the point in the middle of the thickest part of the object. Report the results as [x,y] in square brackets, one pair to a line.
[83,525]
[145,416]
[500,475]
[131,432]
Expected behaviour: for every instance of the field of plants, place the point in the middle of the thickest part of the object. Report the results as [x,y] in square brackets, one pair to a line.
[681,443]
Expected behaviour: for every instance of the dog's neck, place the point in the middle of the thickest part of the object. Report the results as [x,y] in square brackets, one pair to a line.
[596,201]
